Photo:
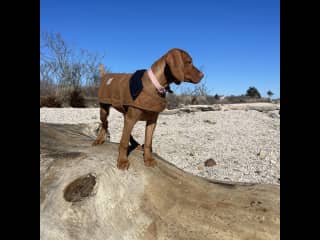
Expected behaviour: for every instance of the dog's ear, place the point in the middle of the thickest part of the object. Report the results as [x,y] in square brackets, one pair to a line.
[176,65]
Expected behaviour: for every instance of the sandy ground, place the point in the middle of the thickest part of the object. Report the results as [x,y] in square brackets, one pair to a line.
[244,143]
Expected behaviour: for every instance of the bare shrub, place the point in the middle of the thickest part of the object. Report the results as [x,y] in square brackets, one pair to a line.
[199,89]
[76,99]
[67,68]
[185,99]
[172,101]
[90,91]
[194,94]
[212,100]
[47,88]
[50,102]
[199,100]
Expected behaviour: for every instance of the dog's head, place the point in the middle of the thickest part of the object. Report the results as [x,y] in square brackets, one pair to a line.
[179,65]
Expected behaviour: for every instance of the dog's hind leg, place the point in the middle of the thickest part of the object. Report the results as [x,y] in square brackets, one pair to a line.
[103,132]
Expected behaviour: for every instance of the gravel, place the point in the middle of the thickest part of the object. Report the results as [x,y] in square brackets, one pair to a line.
[244,144]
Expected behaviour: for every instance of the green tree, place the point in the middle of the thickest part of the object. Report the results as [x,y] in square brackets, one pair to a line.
[270,94]
[253,92]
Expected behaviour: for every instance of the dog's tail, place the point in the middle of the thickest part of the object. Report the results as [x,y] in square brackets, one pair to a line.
[101,68]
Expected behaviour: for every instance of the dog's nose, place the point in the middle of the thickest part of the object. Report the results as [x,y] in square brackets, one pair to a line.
[201,75]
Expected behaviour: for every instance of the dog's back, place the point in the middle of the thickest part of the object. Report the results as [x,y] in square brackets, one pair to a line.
[115,90]
[110,85]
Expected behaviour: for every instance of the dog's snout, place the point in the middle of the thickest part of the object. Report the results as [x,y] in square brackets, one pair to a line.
[201,74]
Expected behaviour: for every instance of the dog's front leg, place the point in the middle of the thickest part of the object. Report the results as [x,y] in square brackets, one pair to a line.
[123,162]
[148,160]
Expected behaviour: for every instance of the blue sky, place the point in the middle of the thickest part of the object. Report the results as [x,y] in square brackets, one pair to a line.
[235,42]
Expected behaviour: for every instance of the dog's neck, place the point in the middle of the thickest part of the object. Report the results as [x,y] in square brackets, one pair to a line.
[158,69]
[155,82]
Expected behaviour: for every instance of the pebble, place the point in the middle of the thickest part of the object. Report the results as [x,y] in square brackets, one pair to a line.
[210,162]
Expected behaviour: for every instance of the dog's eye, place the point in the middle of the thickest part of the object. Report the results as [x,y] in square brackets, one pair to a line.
[189,62]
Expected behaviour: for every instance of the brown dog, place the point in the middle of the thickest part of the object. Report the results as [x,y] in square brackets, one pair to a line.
[174,67]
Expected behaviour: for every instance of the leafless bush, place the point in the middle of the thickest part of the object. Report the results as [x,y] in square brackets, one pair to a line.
[47,88]
[189,94]
[199,89]
[90,91]
[65,67]
[199,100]
[212,100]
[50,102]
[172,101]
[76,99]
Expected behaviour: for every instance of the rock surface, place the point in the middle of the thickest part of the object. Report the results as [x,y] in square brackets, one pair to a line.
[260,107]
[84,196]
[232,138]
[193,108]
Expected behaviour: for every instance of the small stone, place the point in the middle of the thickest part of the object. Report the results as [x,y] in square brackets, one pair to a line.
[273,115]
[187,110]
[210,108]
[210,162]
[262,154]
[208,121]
[200,168]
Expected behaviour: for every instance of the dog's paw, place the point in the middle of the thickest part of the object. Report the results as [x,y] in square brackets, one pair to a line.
[150,162]
[123,164]
[98,142]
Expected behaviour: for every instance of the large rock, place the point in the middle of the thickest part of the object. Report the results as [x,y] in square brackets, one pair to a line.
[193,108]
[261,107]
[84,196]
[274,114]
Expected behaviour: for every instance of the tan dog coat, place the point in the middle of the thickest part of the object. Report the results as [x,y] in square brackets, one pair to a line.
[114,90]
